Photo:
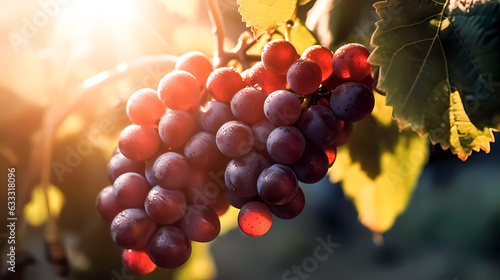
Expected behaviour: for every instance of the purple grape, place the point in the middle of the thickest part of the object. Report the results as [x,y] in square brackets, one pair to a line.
[313,166]
[304,76]
[286,144]
[130,189]
[352,101]
[200,224]
[107,205]
[242,173]
[131,228]
[165,206]
[282,107]
[169,247]
[292,209]
[261,131]
[319,125]
[120,164]
[171,170]
[234,139]
[277,184]
[214,114]
[247,105]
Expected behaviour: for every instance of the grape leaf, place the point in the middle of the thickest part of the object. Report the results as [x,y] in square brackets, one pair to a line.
[379,167]
[428,50]
[264,15]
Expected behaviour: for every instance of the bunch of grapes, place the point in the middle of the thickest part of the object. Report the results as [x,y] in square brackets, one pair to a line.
[207,139]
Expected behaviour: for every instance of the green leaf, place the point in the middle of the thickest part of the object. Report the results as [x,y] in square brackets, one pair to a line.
[426,51]
[379,167]
[265,15]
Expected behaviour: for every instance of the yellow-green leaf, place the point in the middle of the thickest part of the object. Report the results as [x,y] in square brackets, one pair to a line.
[379,167]
[464,136]
[264,15]
[35,211]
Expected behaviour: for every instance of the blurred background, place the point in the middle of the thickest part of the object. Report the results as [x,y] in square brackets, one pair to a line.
[52,57]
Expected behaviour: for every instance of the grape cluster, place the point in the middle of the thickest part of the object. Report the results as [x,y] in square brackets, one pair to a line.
[207,139]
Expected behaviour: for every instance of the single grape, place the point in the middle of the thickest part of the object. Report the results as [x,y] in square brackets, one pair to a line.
[214,114]
[278,55]
[179,90]
[107,205]
[352,101]
[242,173]
[292,209]
[169,247]
[200,223]
[350,62]
[304,76]
[255,218]
[346,129]
[319,125]
[322,56]
[137,262]
[286,144]
[138,142]
[202,149]
[131,228]
[234,139]
[313,166]
[282,107]
[277,184]
[247,105]
[196,63]
[171,170]
[260,77]
[120,164]
[261,131]
[144,107]
[331,153]
[165,206]
[224,82]
[176,127]
[130,189]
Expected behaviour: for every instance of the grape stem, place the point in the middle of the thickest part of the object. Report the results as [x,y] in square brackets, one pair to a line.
[221,57]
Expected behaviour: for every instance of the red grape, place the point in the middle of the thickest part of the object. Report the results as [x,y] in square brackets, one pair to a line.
[144,107]
[323,57]
[179,90]
[350,62]
[278,55]
[137,262]
[138,142]
[255,218]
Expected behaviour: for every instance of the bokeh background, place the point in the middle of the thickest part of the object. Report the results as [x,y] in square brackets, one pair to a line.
[48,51]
